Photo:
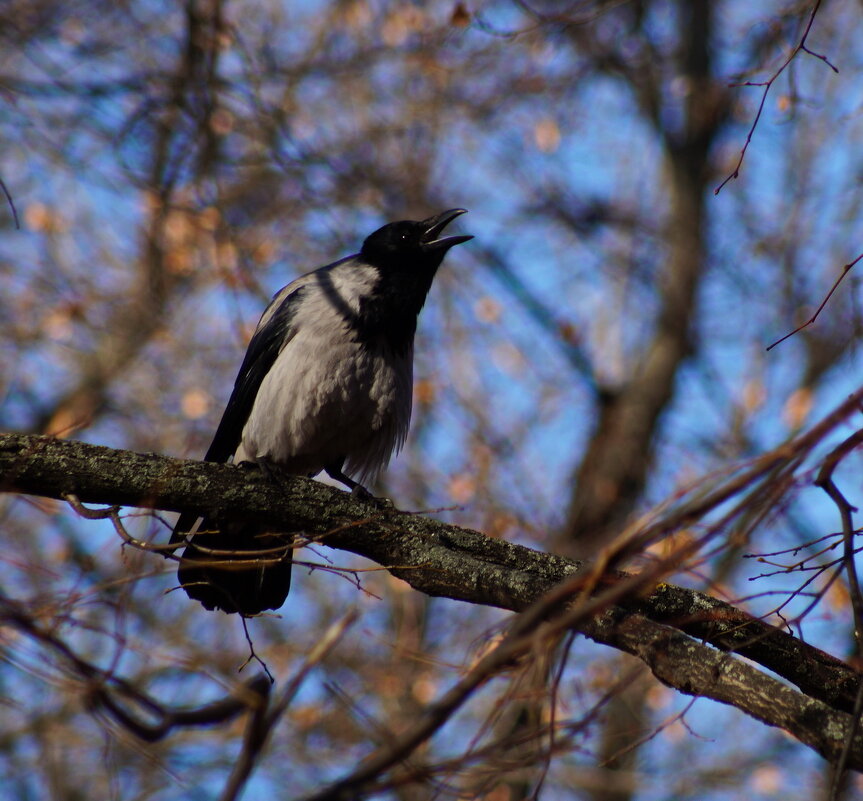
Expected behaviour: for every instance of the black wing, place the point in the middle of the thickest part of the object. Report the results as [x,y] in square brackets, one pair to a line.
[272,334]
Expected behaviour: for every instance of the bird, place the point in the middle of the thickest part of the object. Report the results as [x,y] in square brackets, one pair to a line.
[325,385]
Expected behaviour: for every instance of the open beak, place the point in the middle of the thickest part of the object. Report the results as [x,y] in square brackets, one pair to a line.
[435,225]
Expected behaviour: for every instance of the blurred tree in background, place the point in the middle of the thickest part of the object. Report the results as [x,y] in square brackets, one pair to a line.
[594,358]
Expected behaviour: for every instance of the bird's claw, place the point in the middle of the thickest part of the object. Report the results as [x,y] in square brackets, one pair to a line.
[360,493]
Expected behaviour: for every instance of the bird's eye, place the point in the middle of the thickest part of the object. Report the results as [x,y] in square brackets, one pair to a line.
[405,236]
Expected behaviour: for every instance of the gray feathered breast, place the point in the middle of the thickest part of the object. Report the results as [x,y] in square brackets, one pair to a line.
[329,393]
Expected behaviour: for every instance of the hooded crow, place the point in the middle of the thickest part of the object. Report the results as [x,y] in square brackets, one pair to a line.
[326,384]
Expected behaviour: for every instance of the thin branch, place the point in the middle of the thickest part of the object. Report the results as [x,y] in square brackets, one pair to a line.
[261,724]
[11,204]
[825,481]
[104,689]
[253,654]
[801,46]
[814,317]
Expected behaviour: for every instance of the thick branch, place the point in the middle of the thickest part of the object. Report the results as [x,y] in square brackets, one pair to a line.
[453,562]
[724,678]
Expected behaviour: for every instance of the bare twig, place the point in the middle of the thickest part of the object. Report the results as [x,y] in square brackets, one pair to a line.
[825,481]
[104,689]
[253,654]
[261,723]
[112,513]
[11,204]
[814,317]
[253,697]
[801,46]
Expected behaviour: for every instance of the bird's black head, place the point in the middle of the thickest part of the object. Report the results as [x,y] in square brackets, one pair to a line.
[410,245]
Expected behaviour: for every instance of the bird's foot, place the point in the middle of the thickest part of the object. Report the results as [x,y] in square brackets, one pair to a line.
[273,472]
[360,493]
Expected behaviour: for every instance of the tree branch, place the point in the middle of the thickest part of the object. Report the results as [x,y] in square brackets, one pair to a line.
[664,628]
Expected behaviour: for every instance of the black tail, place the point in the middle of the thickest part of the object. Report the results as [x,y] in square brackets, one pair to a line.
[234,566]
